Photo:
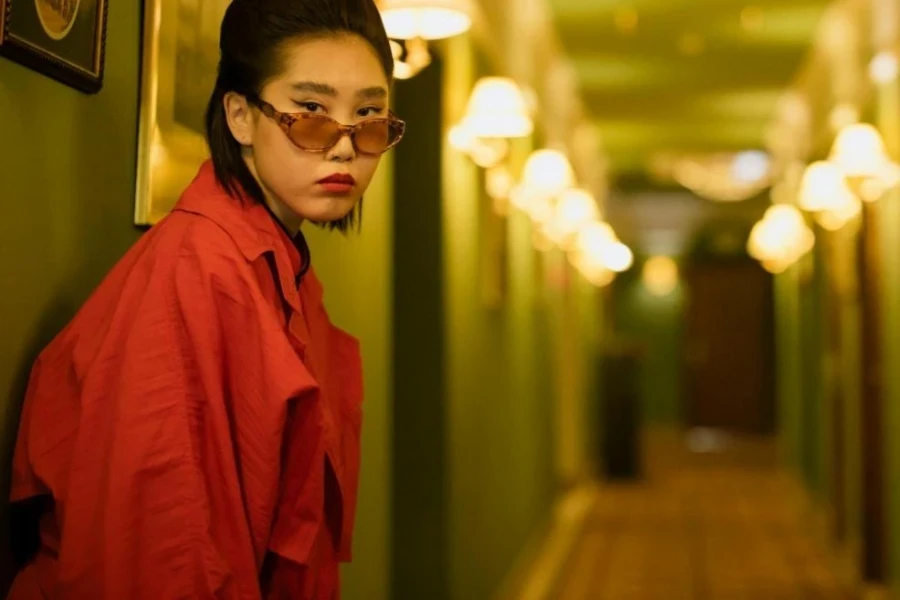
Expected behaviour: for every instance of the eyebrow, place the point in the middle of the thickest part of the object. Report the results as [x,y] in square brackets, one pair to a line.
[315,87]
[372,93]
[369,93]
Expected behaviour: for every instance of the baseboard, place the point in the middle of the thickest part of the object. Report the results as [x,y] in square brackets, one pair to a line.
[536,573]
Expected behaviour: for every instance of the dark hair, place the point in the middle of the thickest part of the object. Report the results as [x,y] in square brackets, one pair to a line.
[251,40]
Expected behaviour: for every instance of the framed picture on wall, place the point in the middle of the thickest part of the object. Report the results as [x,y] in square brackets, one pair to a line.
[180,56]
[63,39]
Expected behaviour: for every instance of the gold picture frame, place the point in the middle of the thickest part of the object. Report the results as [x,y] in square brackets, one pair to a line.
[180,57]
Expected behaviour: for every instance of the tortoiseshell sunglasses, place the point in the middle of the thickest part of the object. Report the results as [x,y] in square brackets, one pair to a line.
[321,133]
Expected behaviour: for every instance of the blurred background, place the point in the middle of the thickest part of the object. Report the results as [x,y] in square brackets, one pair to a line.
[625,291]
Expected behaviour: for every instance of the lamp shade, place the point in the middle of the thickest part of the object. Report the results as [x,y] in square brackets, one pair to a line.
[597,244]
[497,109]
[823,187]
[426,19]
[575,208]
[884,67]
[547,173]
[619,257]
[859,151]
[782,236]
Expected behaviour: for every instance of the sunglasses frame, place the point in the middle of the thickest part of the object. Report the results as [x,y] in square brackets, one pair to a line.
[286,120]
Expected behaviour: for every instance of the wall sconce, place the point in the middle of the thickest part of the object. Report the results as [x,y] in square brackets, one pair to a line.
[859,152]
[499,184]
[546,175]
[780,238]
[426,19]
[883,67]
[417,21]
[484,152]
[410,58]
[496,112]
[574,209]
[598,254]
[824,191]
[497,109]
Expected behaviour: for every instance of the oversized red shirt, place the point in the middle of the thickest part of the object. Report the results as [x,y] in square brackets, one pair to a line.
[197,423]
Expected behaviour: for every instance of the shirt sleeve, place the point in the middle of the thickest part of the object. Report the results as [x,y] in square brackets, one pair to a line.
[161,489]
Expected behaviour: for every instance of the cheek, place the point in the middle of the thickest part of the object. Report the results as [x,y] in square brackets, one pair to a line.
[270,144]
[367,167]
[278,160]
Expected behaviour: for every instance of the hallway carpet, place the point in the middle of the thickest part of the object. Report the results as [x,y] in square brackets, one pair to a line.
[720,525]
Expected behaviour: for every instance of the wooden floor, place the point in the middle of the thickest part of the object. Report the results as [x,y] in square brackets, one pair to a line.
[711,526]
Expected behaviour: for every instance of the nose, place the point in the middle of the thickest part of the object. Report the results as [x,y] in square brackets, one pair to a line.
[343,151]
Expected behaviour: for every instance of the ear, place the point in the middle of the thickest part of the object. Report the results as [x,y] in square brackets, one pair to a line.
[240,118]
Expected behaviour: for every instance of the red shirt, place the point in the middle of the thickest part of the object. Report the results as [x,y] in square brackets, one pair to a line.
[197,423]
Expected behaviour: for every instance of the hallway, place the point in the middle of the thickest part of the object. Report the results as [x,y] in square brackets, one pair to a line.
[713,526]
[603,215]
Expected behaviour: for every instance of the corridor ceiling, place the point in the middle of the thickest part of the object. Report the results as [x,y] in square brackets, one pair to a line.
[683,75]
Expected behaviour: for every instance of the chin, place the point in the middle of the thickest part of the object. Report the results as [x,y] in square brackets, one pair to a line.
[328,209]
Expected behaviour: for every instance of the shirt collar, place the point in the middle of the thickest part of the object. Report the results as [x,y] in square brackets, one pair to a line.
[252,225]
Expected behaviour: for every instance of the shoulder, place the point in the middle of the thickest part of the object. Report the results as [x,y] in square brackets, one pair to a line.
[186,234]
[185,280]
[180,262]
[194,246]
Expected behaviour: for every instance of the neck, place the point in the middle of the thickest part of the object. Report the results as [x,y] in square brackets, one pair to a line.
[288,218]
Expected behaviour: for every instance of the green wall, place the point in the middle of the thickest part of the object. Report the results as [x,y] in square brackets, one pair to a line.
[850,378]
[789,368]
[478,398]
[473,456]
[818,329]
[513,317]
[572,308]
[656,323]
[799,372]
[812,387]
[67,167]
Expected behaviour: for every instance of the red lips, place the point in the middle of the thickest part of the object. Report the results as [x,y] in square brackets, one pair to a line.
[339,178]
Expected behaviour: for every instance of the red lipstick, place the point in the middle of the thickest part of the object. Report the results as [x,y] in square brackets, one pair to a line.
[338,183]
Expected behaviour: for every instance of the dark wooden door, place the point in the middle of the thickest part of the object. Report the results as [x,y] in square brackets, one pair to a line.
[729,347]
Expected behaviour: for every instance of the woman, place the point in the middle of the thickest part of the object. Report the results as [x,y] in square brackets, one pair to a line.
[197,424]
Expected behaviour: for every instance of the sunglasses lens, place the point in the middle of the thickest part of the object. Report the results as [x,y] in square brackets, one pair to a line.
[321,133]
[373,137]
[314,133]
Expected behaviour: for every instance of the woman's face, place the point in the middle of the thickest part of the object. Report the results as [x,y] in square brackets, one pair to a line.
[340,77]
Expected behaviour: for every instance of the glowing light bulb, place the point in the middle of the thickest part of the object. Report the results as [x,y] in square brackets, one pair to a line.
[426,19]
[884,67]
